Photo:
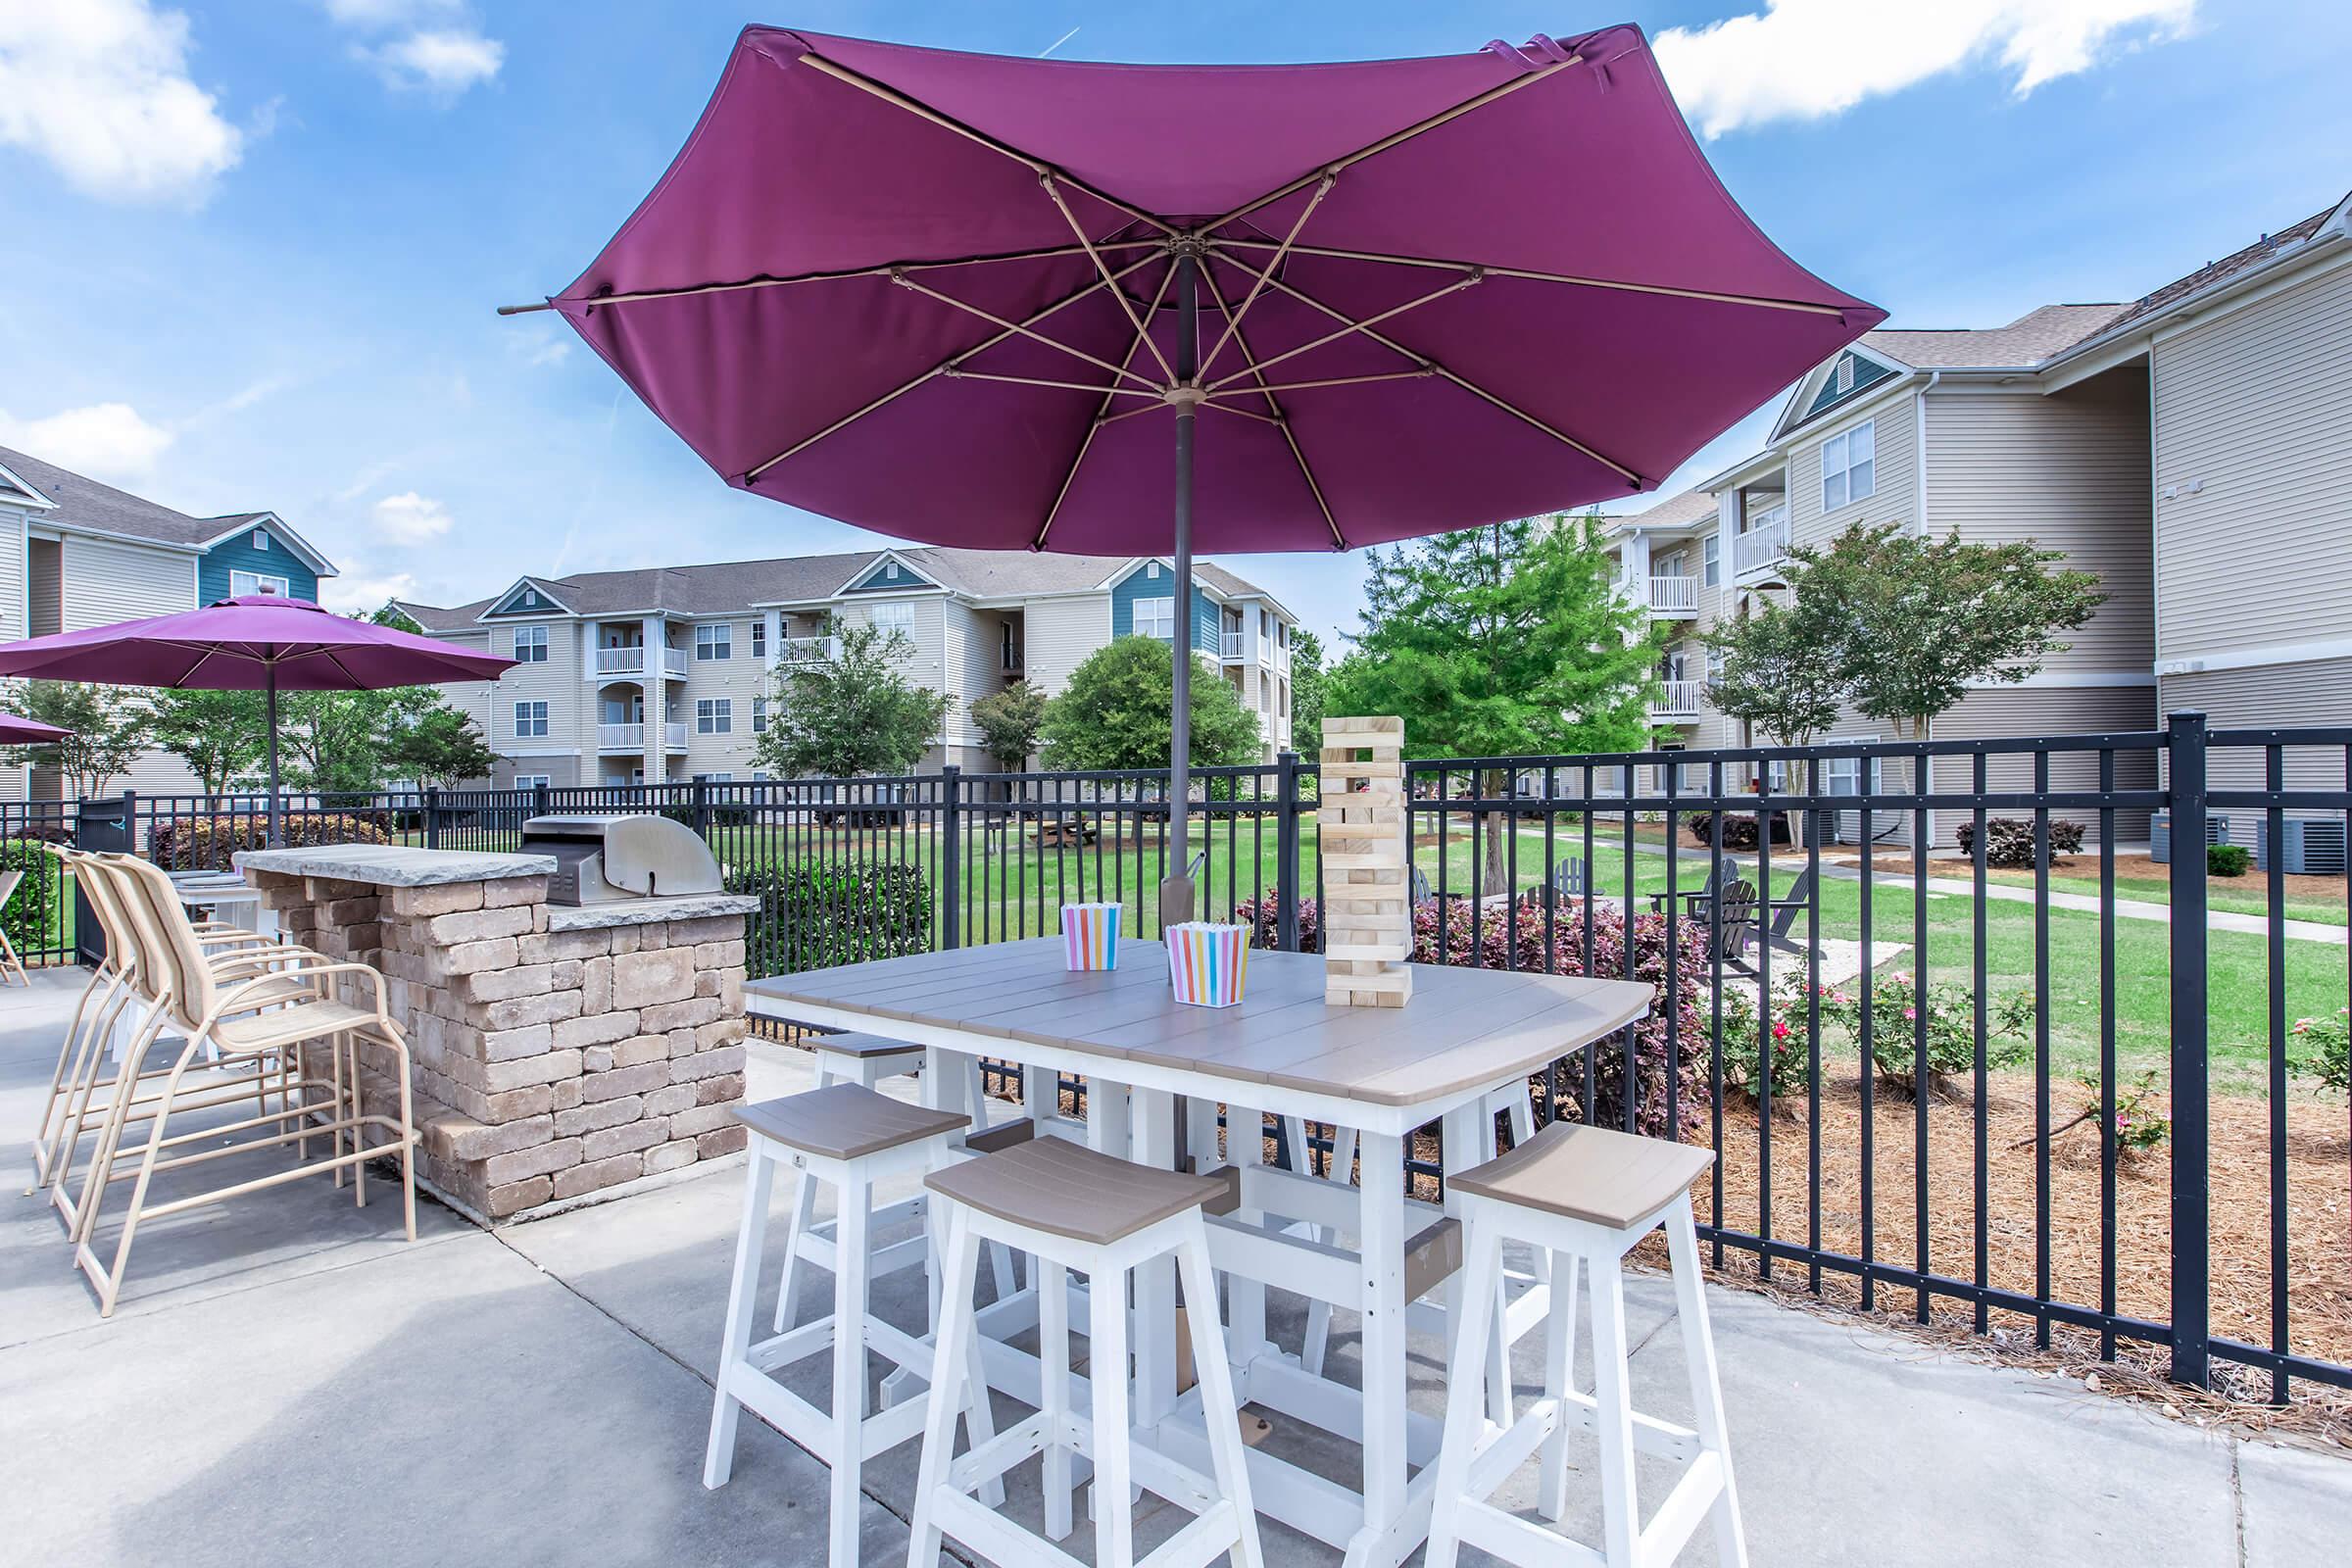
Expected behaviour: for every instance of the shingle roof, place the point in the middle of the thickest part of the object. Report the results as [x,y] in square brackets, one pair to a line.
[86,503]
[1691,506]
[719,587]
[2215,271]
[2027,341]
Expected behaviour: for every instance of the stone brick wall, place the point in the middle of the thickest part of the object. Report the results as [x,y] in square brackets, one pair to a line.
[544,1064]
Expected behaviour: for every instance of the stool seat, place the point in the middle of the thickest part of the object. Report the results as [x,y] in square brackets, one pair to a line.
[1603,1178]
[861,1046]
[1067,1190]
[845,1121]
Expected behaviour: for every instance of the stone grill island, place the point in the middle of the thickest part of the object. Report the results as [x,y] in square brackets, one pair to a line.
[560,1052]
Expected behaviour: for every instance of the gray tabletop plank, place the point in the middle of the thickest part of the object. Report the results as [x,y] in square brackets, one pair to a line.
[1463,1029]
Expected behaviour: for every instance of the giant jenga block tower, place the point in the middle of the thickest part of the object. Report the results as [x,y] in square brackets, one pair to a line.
[1367,903]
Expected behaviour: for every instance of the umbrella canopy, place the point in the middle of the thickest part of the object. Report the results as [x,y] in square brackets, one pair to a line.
[261,642]
[980,301]
[15,730]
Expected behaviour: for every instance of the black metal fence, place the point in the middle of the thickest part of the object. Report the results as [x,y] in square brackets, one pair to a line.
[2072,1094]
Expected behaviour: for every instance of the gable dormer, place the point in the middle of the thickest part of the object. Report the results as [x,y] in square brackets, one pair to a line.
[256,553]
[16,491]
[527,598]
[888,575]
[1848,373]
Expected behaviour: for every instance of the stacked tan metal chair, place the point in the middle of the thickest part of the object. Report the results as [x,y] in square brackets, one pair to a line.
[267,1011]
[11,966]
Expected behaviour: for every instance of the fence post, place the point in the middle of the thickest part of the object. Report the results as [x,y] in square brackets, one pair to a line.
[132,842]
[432,816]
[702,807]
[1286,852]
[539,800]
[2191,1307]
[950,855]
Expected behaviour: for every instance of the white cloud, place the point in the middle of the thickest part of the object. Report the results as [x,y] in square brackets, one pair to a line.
[409,519]
[385,12]
[100,88]
[364,592]
[554,351]
[106,440]
[1811,59]
[444,62]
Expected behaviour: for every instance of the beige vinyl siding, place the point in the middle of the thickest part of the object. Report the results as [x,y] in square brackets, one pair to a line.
[2070,472]
[973,643]
[2016,710]
[556,682]
[737,679]
[2312,693]
[44,577]
[1060,634]
[1895,492]
[2254,406]
[104,582]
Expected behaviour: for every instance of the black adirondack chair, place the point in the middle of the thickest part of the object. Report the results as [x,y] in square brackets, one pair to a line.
[1732,923]
[1694,900]
[1786,913]
[1567,882]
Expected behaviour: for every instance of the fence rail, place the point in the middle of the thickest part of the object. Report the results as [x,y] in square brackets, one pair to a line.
[1999,1084]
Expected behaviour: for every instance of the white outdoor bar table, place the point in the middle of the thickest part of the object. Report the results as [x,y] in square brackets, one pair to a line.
[1383,1071]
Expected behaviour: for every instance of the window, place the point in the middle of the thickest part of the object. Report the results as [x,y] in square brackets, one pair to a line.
[1152,568]
[890,619]
[714,778]
[759,638]
[714,642]
[242,583]
[1845,376]
[758,715]
[530,645]
[1155,618]
[760,775]
[530,781]
[261,539]
[1710,559]
[1848,470]
[714,715]
[530,721]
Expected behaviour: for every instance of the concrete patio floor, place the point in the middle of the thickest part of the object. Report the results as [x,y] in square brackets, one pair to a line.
[287,1382]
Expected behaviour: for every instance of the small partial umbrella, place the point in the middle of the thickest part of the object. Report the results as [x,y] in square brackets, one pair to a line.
[260,642]
[980,301]
[17,730]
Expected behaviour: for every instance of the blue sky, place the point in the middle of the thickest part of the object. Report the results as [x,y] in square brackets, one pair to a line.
[253,248]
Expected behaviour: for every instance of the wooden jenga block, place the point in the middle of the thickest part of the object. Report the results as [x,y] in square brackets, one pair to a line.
[1364,826]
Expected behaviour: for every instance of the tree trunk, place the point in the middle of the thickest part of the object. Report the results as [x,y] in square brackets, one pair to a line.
[1496,878]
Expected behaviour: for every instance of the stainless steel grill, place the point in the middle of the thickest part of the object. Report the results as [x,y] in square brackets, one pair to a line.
[606,859]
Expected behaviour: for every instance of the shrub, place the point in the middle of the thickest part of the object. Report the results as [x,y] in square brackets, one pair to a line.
[2328,1053]
[36,916]
[2009,841]
[2140,1124]
[811,918]
[1659,1042]
[1739,829]
[1951,1039]
[1739,1045]
[2227,860]
[207,843]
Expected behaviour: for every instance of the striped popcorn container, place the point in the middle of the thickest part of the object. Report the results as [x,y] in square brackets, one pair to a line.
[1090,936]
[1207,963]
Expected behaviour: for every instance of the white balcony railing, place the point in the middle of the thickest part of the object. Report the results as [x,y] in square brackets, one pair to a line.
[630,661]
[673,737]
[807,650]
[1673,596]
[1764,545]
[1229,645]
[621,736]
[1681,697]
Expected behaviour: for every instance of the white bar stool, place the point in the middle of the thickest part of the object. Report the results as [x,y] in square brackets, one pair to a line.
[1072,1207]
[848,1137]
[1586,1196]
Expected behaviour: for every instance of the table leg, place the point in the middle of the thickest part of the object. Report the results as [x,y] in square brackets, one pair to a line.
[1152,1142]
[1381,1234]
[1245,1298]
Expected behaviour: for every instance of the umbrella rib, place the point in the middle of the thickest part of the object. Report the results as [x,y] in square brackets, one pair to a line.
[923,111]
[1713,296]
[904,282]
[905,387]
[1466,385]
[1415,374]
[1232,318]
[1053,194]
[1352,327]
[1087,441]
[838,274]
[955,374]
[1395,138]
[1339,541]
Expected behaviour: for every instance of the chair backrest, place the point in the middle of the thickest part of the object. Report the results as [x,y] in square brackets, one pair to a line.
[1787,910]
[1735,919]
[98,889]
[1421,892]
[7,884]
[1568,877]
[167,940]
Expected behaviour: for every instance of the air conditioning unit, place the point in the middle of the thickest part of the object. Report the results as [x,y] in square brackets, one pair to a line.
[2160,835]
[2309,845]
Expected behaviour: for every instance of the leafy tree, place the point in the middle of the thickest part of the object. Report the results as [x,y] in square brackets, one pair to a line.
[1501,641]
[1010,723]
[1308,683]
[1116,713]
[1915,621]
[110,731]
[337,743]
[443,747]
[853,714]
[220,735]
[1780,674]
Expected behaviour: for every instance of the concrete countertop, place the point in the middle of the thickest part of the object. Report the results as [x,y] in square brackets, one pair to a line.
[647,912]
[394,866]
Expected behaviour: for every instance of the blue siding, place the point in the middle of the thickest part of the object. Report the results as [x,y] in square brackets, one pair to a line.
[237,554]
[878,578]
[1138,584]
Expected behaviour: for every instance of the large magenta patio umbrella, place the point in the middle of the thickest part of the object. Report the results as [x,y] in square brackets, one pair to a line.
[17,730]
[983,302]
[261,642]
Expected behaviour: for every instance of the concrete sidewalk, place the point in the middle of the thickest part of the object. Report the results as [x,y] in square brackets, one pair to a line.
[289,1383]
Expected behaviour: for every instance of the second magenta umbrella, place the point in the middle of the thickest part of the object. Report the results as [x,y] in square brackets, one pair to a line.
[261,643]
[17,730]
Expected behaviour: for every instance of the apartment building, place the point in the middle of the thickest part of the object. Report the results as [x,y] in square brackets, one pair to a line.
[667,674]
[2166,444]
[77,553]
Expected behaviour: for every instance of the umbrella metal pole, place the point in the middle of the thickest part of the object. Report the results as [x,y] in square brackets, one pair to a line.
[270,709]
[1176,885]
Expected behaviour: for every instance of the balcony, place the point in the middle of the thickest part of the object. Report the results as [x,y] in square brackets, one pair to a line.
[1012,659]
[1762,549]
[1674,598]
[807,650]
[673,737]
[629,662]
[1679,699]
[1229,647]
[621,736]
